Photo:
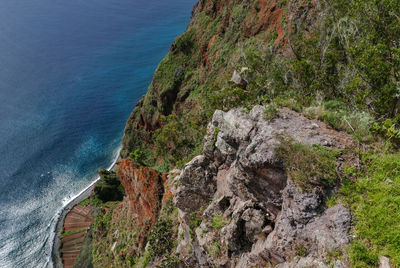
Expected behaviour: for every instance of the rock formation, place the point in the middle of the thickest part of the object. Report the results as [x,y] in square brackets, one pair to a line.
[144,191]
[251,212]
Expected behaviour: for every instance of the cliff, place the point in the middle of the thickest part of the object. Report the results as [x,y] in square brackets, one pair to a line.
[209,50]
[268,137]
[250,208]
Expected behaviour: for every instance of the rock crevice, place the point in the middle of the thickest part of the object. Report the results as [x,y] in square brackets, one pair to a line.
[251,212]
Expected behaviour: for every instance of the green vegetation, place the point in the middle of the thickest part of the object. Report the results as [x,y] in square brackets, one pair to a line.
[143,157]
[179,140]
[219,221]
[374,196]
[160,238]
[270,112]
[343,69]
[388,130]
[170,262]
[73,232]
[361,256]
[302,251]
[163,237]
[194,220]
[108,188]
[347,73]
[215,136]
[338,115]
[214,250]
[308,166]
[333,255]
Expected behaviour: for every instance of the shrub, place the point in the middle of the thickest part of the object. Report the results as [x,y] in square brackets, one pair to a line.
[194,221]
[179,139]
[108,188]
[160,238]
[361,256]
[270,112]
[338,116]
[387,130]
[143,157]
[185,42]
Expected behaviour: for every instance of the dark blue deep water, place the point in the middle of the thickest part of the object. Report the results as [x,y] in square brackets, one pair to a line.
[71,71]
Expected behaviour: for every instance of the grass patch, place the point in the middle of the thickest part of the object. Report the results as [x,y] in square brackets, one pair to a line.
[362,256]
[338,116]
[214,249]
[219,221]
[73,232]
[308,166]
[375,200]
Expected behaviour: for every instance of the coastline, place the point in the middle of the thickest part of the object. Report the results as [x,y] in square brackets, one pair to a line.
[85,193]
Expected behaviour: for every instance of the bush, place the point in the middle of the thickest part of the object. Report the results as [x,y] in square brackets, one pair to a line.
[108,188]
[186,42]
[179,139]
[361,256]
[143,157]
[270,112]
[160,238]
[338,116]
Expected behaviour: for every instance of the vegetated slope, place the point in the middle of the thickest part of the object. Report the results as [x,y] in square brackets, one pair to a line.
[336,61]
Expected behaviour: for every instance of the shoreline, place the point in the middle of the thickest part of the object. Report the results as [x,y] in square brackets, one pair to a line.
[84,194]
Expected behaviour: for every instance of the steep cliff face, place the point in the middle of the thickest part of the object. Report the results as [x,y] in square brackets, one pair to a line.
[210,50]
[237,204]
[256,196]
[144,191]
[121,230]
[248,207]
[261,189]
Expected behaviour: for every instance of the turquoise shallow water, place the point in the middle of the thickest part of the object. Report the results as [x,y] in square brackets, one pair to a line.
[70,74]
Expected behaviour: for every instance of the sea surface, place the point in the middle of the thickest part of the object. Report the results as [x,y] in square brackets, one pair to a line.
[71,72]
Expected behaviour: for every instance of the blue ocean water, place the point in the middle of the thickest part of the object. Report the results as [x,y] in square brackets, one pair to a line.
[71,71]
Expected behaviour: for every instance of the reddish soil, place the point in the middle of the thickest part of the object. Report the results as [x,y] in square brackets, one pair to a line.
[77,219]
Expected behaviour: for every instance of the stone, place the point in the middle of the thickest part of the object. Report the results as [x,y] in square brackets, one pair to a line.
[384,262]
[239,77]
[267,217]
[236,78]
[388,181]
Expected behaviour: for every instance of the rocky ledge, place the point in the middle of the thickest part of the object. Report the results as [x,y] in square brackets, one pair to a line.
[238,207]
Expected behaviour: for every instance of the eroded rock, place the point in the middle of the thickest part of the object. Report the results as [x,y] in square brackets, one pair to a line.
[250,212]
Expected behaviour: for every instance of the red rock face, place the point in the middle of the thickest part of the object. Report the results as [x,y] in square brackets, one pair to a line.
[144,190]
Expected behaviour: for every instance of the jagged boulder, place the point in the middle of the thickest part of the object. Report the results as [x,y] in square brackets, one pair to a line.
[239,208]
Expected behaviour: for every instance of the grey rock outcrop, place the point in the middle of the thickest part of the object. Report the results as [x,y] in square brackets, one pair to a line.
[250,212]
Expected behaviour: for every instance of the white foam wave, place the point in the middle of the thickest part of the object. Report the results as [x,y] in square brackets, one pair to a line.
[39,238]
[68,200]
